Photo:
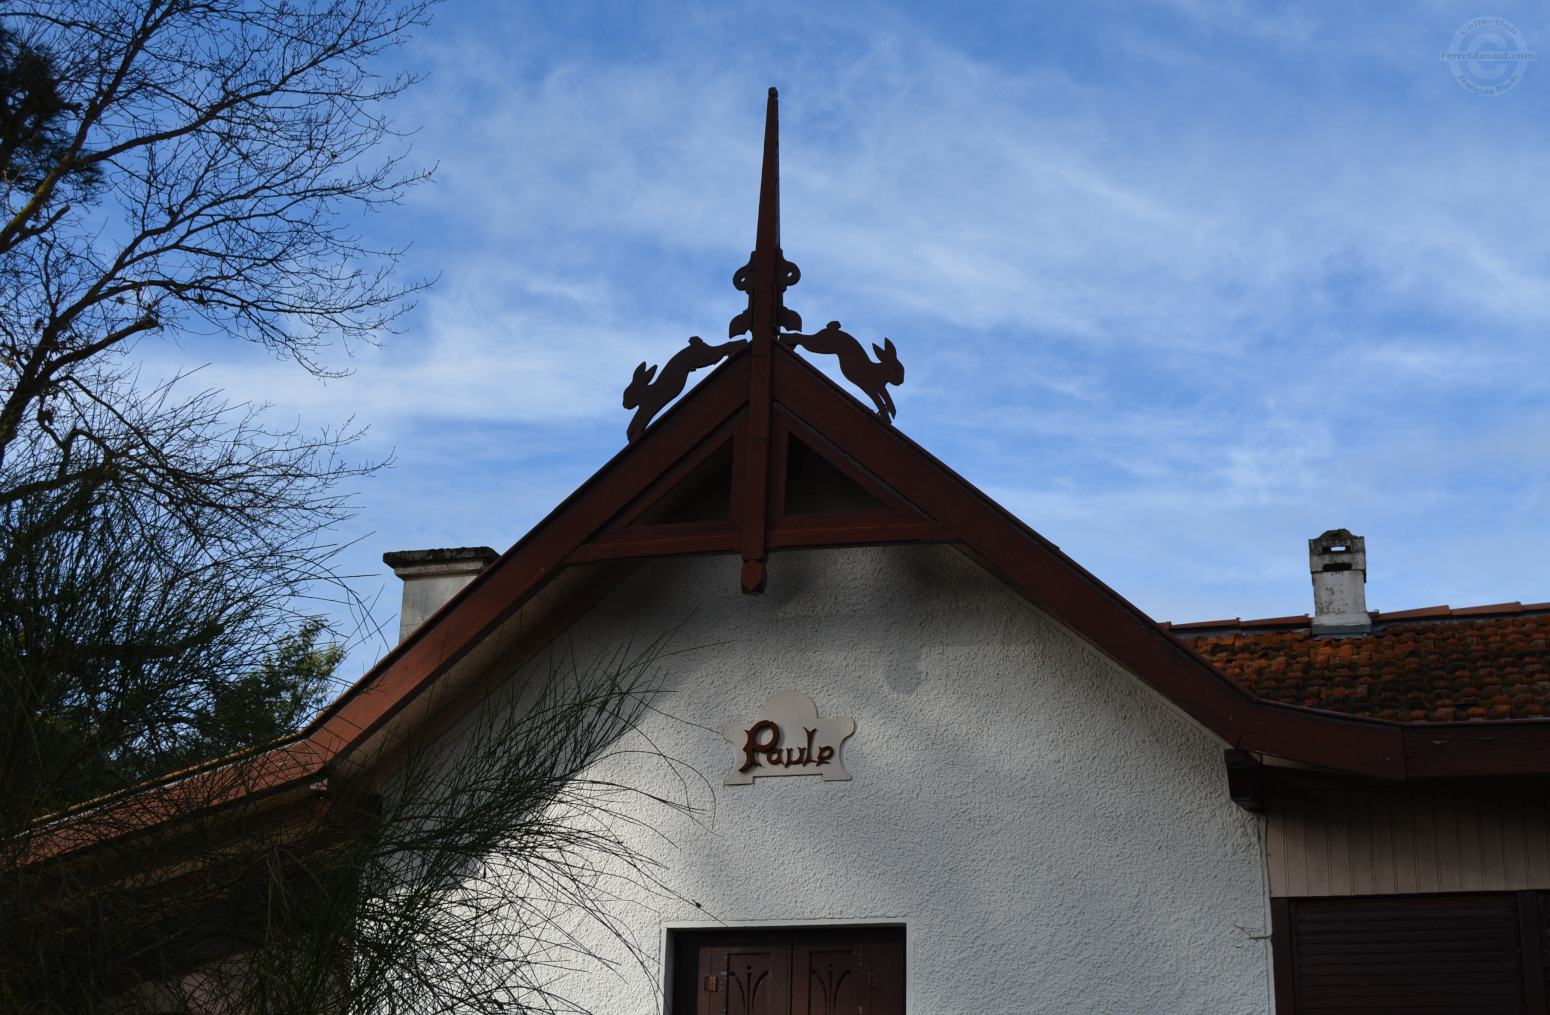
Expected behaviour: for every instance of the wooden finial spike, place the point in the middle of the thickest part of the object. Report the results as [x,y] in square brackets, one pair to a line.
[767,237]
[767,274]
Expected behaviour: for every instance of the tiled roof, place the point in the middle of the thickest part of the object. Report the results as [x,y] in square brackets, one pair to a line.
[1434,664]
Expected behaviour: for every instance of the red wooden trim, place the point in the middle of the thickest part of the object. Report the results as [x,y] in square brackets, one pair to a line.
[1361,746]
[1037,568]
[1026,560]
[675,539]
[756,479]
[739,465]
[1530,914]
[527,567]
[1021,557]
[756,459]
[180,796]
[780,450]
[672,477]
[877,455]
[1245,779]
[1283,962]
[1435,750]
[860,528]
[858,473]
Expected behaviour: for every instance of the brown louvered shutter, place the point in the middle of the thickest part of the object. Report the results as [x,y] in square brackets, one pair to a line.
[1436,954]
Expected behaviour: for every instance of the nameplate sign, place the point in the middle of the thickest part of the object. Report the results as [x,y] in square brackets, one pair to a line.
[788,738]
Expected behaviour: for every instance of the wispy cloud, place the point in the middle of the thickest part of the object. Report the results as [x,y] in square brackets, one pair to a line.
[1182,283]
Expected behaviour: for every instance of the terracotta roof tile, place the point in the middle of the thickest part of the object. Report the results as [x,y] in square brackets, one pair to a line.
[1418,665]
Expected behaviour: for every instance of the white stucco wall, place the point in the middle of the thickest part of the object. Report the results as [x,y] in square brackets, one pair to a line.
[1053,837]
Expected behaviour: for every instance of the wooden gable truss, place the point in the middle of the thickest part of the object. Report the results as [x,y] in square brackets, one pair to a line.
[702,481]
[733,468]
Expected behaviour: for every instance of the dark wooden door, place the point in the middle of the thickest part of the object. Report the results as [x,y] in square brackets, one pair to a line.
[819,971]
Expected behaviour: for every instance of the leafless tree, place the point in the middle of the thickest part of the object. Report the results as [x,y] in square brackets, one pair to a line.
[168,168]
[190,165]
[180,167]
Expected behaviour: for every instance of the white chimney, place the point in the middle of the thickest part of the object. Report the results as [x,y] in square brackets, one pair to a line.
[431,577]
[1338,561]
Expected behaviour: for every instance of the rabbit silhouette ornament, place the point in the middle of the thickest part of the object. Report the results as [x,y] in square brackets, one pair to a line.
[651,395]
[858,368]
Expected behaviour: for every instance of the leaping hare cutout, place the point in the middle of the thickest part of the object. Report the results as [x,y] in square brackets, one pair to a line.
[651,395]
[858,368]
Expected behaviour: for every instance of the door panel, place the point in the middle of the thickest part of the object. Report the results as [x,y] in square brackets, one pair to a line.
[751,980]
[885,964]
[829,981]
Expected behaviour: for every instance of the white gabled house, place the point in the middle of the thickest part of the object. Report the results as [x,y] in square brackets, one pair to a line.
[950,770]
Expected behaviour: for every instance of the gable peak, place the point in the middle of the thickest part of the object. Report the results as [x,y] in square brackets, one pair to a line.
[767,321]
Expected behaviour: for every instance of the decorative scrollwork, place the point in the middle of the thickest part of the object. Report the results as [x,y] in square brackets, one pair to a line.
[765,278]
[749,994]
[787,274]
[829,987]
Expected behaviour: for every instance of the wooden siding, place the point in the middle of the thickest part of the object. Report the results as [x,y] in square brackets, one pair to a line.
[1325,840]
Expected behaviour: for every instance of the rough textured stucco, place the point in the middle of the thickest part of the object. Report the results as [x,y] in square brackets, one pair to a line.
[1053,837]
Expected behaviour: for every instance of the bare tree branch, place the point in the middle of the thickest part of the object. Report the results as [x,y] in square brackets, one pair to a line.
[211,156]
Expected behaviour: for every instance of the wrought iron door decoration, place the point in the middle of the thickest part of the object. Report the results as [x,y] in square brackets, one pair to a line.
[765,278]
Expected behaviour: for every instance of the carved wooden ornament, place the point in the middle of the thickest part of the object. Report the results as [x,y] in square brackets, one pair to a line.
[774,334]
[765,278]
[648,394]
[788,738]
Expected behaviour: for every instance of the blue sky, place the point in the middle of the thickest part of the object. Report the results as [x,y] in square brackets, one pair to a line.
[1182,284]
